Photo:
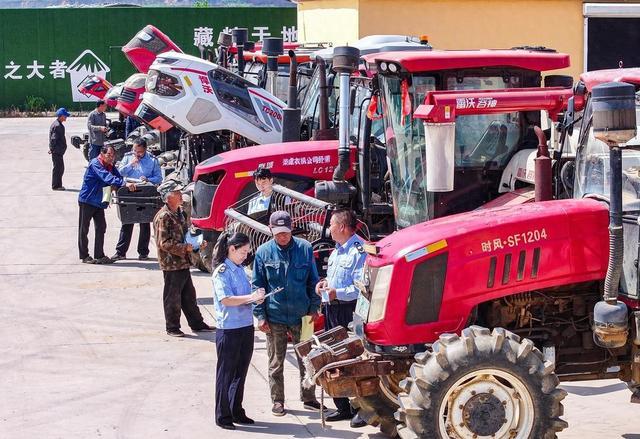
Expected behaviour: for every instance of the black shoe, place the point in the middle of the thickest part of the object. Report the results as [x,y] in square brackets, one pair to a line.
[104,261]
[204,328]
[175,333]
[143,257]
[59,188]
[244,419]
[118,257]
[278,409]
[312,405]
[357,422]
[88,260]
[227,426]
[338,416]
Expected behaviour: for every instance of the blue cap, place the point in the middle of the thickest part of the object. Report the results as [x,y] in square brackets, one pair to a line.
[62,112]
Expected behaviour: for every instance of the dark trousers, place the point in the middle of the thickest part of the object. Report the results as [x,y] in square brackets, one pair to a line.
[179,296]
[335,315]
[234,348]
[88,213]
[125,239]
[58,170]
[94,151]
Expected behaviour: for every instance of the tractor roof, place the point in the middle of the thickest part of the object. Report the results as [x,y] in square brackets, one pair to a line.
[420,61]
[591,79]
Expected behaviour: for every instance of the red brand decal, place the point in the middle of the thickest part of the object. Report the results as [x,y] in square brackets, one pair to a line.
[271,112]
[206,86]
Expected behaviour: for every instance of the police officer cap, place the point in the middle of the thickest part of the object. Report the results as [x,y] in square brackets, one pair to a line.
[168,186]
[262,173]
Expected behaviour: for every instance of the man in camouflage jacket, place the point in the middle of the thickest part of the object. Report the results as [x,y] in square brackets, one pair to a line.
[174,254]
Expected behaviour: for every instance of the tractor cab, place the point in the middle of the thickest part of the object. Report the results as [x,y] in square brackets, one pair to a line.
[485,144]
[309,95]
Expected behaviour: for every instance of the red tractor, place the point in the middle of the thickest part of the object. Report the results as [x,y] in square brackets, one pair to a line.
[466,324]
[390,197]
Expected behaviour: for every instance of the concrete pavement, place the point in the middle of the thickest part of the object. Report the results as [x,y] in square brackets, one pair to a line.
[83,351]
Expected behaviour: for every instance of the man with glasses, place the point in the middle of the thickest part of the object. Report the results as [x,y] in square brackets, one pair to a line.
[139,165]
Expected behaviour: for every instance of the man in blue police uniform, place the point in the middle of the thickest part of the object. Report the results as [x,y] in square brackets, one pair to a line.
[264,183]
[338,292]
[140,165]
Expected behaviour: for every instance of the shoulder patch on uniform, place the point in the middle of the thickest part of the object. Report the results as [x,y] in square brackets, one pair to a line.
[358,247]
[221,268]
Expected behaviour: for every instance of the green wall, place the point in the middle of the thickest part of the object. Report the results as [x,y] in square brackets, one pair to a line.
[47,35]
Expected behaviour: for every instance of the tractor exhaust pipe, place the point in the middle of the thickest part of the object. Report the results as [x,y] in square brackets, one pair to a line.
[345,62]
[291,114]
[224,42]
[272,47]
[614,122]
[323,132]
[543,177]
[239,39]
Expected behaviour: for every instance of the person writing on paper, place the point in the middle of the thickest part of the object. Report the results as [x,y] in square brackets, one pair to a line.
[233,302]
[285,262]
[338,292]
[140,165]
[99,177]
[174,257]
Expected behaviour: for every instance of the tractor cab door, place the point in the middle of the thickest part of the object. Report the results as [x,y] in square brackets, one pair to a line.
[593,179]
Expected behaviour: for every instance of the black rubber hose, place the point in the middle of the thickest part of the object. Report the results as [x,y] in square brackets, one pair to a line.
[616,242]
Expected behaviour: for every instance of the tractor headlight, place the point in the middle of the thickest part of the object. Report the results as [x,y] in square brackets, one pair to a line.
[380,293]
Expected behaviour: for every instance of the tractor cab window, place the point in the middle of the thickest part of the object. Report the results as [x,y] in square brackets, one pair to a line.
[232,91]
[485,140]
[405,146]
[592,165]
[310,102]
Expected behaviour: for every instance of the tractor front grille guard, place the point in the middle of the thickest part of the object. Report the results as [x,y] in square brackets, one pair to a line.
[310,216]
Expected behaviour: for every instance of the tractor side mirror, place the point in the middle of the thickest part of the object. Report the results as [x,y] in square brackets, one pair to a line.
[440,146]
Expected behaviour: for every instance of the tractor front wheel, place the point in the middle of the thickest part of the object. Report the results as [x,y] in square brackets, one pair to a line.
[378,410]
[481,384]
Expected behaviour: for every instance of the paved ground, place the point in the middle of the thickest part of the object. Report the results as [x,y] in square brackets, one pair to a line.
[83,353]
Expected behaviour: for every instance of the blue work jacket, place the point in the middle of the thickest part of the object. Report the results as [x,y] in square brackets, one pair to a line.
[344,267]
[147,167]
[96,177]
[292,268]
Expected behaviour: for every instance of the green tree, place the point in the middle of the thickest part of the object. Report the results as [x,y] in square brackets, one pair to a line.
[201,3]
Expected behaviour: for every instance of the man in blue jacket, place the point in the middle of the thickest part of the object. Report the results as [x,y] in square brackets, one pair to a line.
[285,262]
[141,165]
[100,173]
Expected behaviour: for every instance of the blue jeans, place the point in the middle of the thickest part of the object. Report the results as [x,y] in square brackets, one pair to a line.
[94,151]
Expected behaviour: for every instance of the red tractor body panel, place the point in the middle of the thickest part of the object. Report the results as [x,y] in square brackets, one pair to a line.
[591,79]
[311,161]
[491,253]
[421,61]
[146,45]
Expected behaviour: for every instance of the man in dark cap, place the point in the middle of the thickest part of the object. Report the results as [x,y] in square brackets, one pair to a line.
[57,148]
[179,295]
[285,262]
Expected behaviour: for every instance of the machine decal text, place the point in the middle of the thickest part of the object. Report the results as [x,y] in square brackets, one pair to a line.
[514,240]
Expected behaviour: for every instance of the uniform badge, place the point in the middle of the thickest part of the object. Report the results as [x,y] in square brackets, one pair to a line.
[359,247]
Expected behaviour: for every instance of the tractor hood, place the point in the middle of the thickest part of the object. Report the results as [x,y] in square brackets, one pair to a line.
[440,270]
[227,178]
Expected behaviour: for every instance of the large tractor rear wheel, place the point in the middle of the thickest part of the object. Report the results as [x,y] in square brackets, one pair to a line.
[482,384]
[378,410]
